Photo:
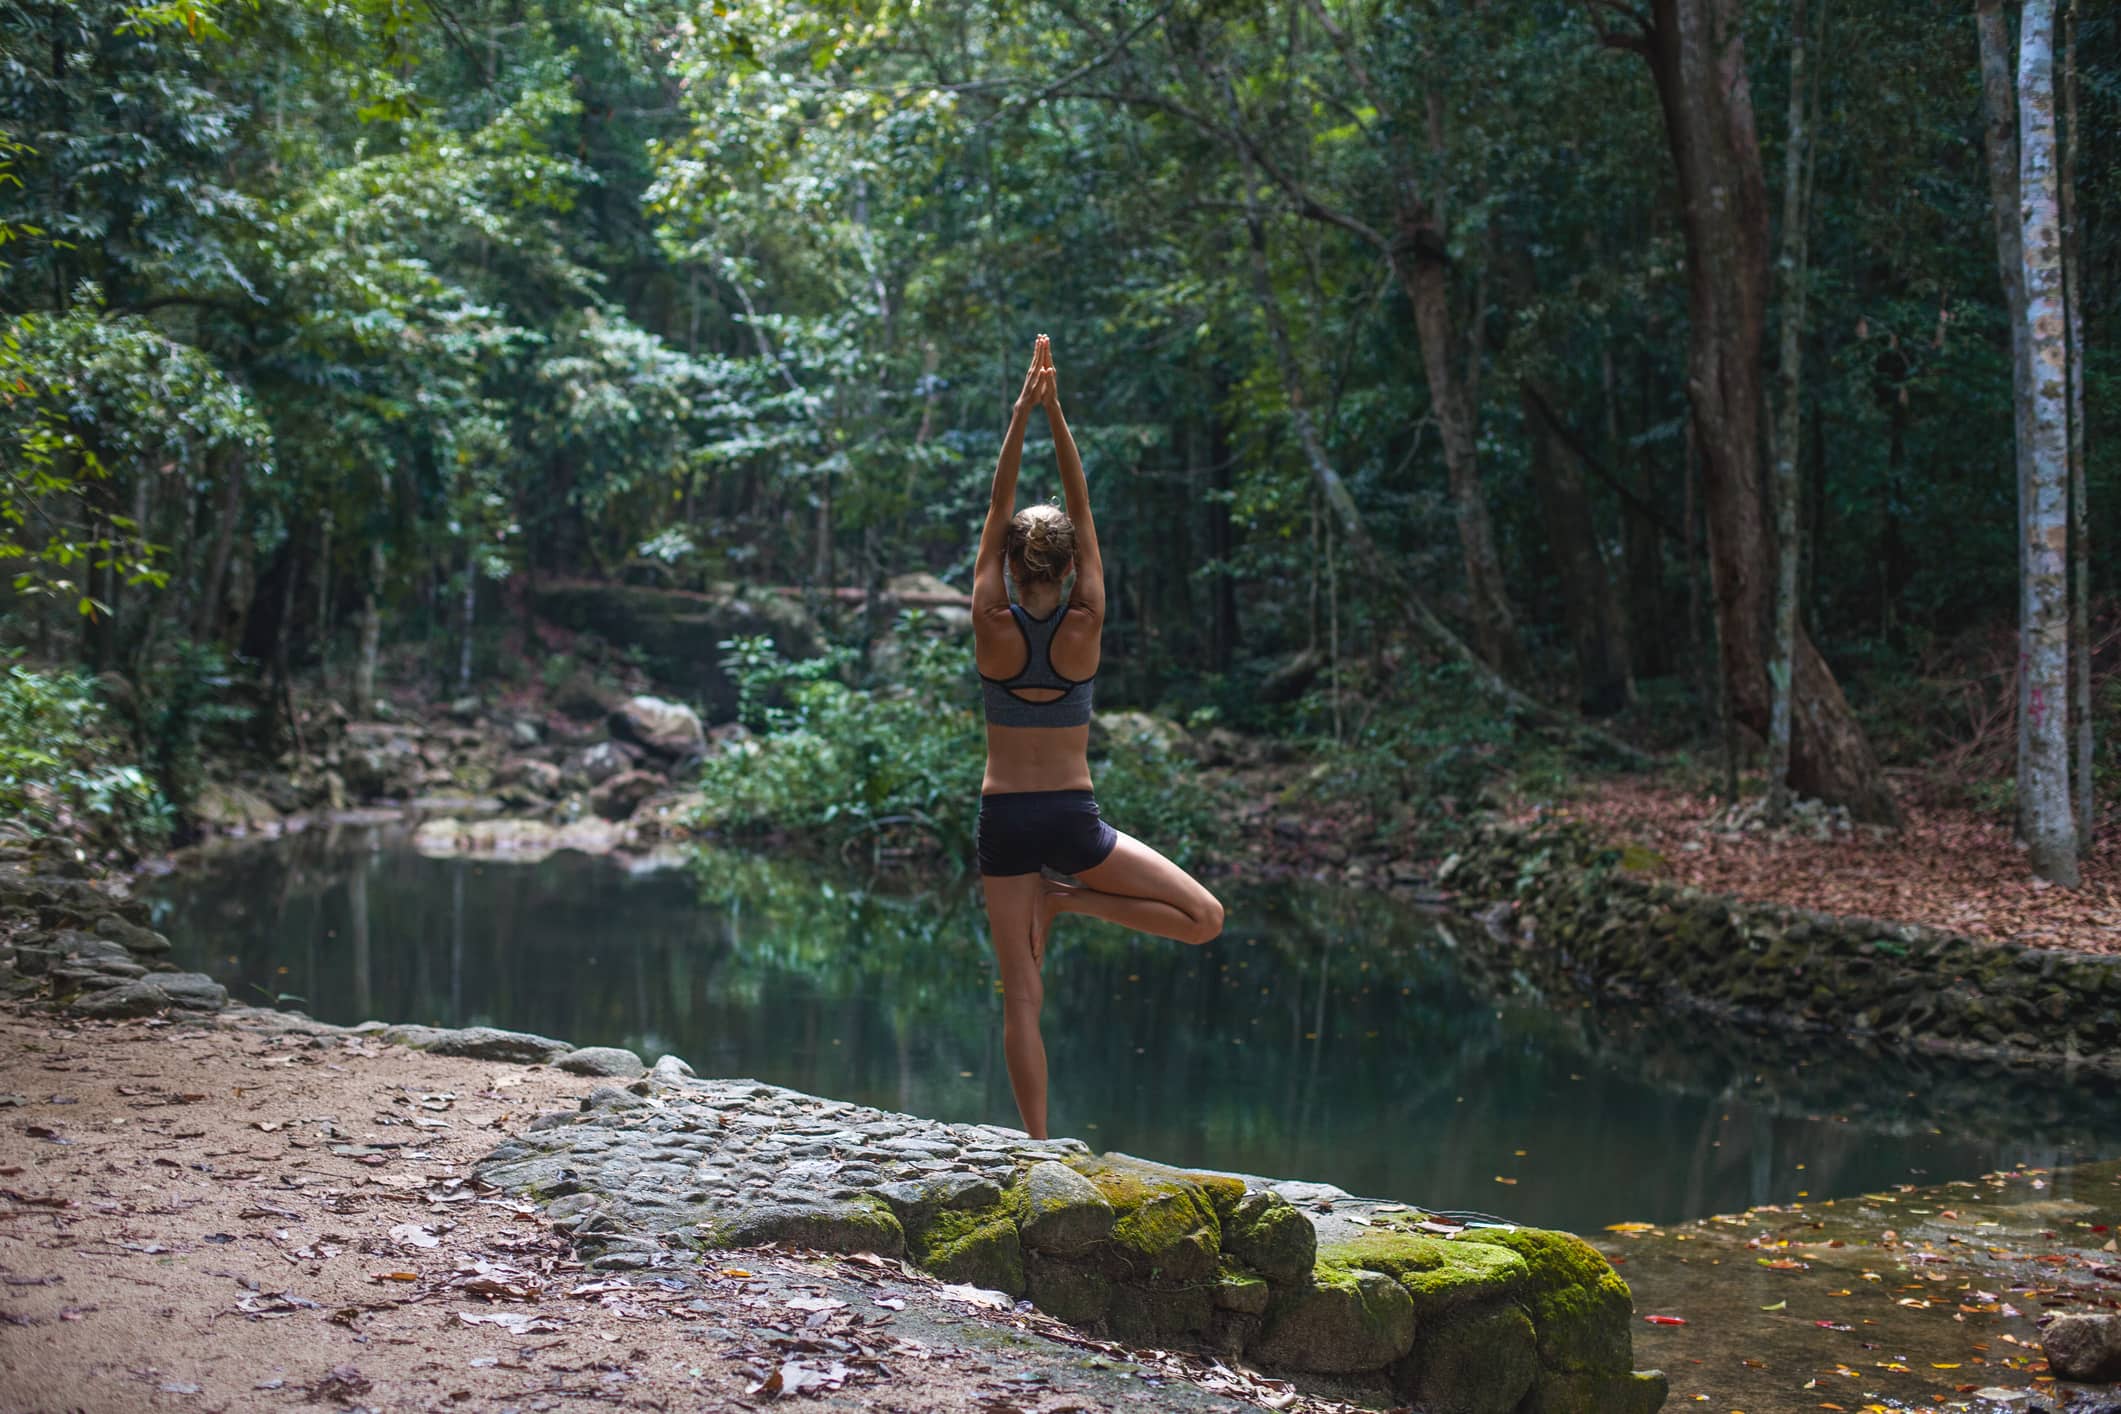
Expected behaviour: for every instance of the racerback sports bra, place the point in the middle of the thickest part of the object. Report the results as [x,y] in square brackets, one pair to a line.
[1006,709]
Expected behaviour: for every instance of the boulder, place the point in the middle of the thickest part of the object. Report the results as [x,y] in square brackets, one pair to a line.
[528,774]
[2084,1347]
[668,730]
[184,991]
[609,1062]
[1137,731]
[523,734]
[1075,1292]
[617,798]
[1346,1321]
[465,709]
[232,808]
[1481,1361]
[594,765]
[1063,1211]
[489,1043]
[381,768]
[976,1247]
[670,1070]
[860,1225]
[1271,1236]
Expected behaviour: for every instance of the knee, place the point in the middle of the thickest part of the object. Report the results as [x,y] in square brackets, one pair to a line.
[1024,1004]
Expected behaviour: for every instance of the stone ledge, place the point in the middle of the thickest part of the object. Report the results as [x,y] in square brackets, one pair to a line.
[1576,912]
[1302,1277]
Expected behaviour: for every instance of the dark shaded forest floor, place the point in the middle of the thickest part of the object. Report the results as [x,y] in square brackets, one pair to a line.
[1951,867]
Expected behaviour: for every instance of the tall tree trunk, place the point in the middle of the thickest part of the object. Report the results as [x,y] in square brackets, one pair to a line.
[1696,52]
[1999,106]
[2080,605]
[1789,423]
[364,681]
[1596,627]
[2043,789]
[1424,273]
[208,618]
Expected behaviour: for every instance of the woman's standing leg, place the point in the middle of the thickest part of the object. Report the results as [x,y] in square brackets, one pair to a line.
[1012,909]
[1136,887]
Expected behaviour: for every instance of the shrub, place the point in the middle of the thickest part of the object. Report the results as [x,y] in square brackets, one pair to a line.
[64,771]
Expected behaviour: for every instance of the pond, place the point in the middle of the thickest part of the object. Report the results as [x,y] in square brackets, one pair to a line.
[1329,1034]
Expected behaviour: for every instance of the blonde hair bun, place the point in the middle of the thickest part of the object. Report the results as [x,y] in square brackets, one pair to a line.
[1041,544]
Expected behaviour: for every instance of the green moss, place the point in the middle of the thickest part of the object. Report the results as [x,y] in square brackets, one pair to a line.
[1166,1225]
[1153,1312]
[1068,1290]
[1642,1392]
[1241,1291]
[978,1246]
[1578,1304]
[1224,1191]
[1438,1274]
[1275,1239]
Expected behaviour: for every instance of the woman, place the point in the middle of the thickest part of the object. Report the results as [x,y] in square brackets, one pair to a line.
[1037,657]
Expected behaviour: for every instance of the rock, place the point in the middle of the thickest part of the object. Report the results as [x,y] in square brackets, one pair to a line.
[488,1043]
[1579,1306]
[232,808]
[670,1070]
[1242,1292]
[1348,1321]
[1166,1223]
[617,798]
[669,730]
[1265,1232]
[606,1061]
[677,631]
[1440,1275]
[2084,1347]
[70,946]
[135,998]
[1633,1392]
[1137,731]
[855,1226]
[1071,1291]
[523,734]
[594,765]
[603,1098]
[1481,1361]
[977,1247]
[1063,1211]
[381,767]
[917,1200]
[465,709]
[143,942]
[538,777]
[514,838]
[194,991]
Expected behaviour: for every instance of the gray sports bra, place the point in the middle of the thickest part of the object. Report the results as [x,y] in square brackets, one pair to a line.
[1006,709]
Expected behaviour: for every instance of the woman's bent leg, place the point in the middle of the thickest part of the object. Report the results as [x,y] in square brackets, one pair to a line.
[1138,888]
[1012,909]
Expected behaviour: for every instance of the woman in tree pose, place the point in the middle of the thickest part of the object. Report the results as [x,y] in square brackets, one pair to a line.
[1037,656]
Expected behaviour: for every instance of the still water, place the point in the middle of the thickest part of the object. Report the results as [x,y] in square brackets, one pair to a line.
[1327,1035]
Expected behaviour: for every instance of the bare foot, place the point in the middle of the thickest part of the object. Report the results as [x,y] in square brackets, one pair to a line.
[1043,912]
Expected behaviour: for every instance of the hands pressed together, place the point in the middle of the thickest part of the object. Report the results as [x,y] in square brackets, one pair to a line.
[1041,387]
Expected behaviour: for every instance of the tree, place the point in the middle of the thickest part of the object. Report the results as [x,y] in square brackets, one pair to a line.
[2044,784]
[1696,55]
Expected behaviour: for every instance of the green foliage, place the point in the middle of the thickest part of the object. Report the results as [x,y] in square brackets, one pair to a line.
[64,770]
[839,762]
[184,698]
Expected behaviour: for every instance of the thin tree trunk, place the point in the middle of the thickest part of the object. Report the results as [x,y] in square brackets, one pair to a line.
[1588,604]
[364,682]
[208,614]
[2080,626]
[324,606]
[1696,53]
[470,613]
[1788,428]
[2051,827]
[1999,107]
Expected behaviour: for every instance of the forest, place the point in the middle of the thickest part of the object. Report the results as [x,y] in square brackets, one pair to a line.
[1696,380]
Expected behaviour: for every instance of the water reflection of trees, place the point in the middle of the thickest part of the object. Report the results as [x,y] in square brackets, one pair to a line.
[1329,1034]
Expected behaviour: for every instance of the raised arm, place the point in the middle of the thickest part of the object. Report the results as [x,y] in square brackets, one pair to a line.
[990,592]
[1089,565]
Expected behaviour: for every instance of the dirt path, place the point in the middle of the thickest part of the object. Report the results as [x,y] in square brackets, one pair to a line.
[221,1217]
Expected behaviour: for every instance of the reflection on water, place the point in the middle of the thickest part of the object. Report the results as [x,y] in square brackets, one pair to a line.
[1326,1035]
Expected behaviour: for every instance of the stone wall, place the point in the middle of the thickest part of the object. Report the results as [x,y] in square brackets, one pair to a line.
[1299,1277]
[1577,911]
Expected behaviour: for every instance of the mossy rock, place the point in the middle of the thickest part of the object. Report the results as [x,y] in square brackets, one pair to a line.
[1476,1360]
[862,1224]
[1165,1226]
[1225,1190]
[1069,1291]
[980,1247]
[1061,1211]
[1149,1313]
[1439,1274]
[1241,1291]
[1578,1304]
[1345,1322]
[1265,1232]
[1633,1392]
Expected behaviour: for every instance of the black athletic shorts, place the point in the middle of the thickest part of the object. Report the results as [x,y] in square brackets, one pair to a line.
[1024,831]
